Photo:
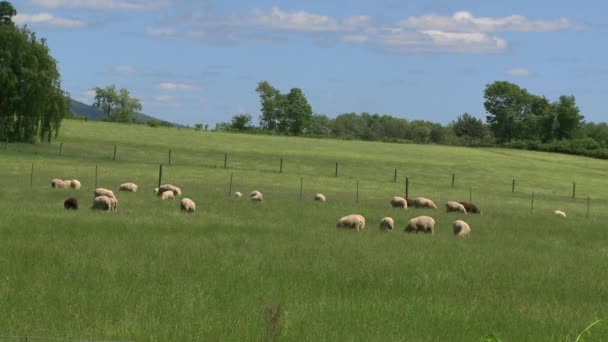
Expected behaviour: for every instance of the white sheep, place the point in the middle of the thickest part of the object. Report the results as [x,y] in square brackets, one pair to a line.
[560,213]
[237,194]
[102,203]
[187,205]
[452,206]
[104,192]
[156,190]
[59,184]
[353,221]
[256,196]
[130,187]
[387,223]
[167,195]
[320,197]
[75,184]
[399,202]
[425,224]
[461,229]
[169,187]
[113,203]
[421,202]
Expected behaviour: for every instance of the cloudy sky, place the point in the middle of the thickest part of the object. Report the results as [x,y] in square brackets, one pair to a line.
[198,61]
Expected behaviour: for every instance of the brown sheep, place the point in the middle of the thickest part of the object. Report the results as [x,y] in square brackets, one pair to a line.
[471,208]
[71,203]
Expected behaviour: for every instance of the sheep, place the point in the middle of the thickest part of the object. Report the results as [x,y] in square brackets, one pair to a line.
[169,187]
[399,202]
[353,221]
[113,203]
[256,196]
[410,203]
[560,213]
[71,203]
[421,202]
[75,184]
[187,205]
[471,208]
[387,223]
[320,198]
[237,194]
[104,192]
[102,203]
[461,229]
[130,187]
[425,224]
[167,195]
[452,206]
[156,190]
[59,184]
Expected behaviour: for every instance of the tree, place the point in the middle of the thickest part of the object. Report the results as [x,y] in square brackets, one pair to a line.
[271,100]
[509,108]
[298,113]
[284,113]
[117,106]
[241,122]
[567,118]
[32,103]
[469,127]
[198,127]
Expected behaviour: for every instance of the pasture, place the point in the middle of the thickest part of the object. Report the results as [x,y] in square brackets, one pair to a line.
[151,273]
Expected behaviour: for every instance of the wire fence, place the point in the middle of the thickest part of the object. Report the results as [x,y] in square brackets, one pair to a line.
[39,338]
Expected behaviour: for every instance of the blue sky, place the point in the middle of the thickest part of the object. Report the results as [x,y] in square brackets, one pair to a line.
[199,61]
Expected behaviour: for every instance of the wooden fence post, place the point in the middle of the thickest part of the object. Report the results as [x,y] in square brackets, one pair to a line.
[336,169]
[225,160]
[32,176]
[114,157]
[532,205]
[407,187]
[453,179]
[588,200]
[573,189]
[395,177]
[513,185]
[301,186]
[160,175]
[169,156]
[281,166]
[230,188]
[96,178]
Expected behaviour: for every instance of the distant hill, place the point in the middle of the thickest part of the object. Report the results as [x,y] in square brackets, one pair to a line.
[81,109]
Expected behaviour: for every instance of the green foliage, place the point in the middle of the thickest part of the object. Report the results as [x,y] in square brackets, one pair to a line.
[241,122]
[159,123]
[469,127]
[198,127]
[117,106]
[284,113]
[32,103]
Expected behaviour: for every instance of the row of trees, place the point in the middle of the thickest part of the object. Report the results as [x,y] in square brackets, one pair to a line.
[32,103]
[117,106]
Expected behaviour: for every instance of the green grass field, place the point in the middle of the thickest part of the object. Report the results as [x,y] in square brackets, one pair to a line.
[150,273]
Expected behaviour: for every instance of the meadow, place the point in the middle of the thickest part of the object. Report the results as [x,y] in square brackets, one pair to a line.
[151,273]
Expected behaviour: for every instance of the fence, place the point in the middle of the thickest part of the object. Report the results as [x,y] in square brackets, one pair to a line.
[38,338]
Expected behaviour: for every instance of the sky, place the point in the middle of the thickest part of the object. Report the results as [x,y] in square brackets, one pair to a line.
[199,61]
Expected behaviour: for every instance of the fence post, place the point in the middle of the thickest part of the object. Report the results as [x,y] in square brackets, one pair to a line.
[395,177]
[407,187]
[32,176]
[336,169]
[96,186]
[281,166]
[588,200]
[532,205]
[169,156]
[114,158]
[225,160]
[573,189]
[301,186]
[230,188]
[160,175]
[453,179]
[60,149]
[357,200]
[470,195]
[513,185]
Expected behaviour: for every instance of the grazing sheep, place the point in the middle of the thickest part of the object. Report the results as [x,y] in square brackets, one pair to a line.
[560,213]
[187,205]
[156,190]
[169,187]
[471,208]
[75,184]
[113,203]
[237,194]
[425,224]
[461,229]
[399,202]
[320,197]
[452,206]
[410,203]
[256,196]
[387,223]
[104,192]
[353,221]
[71,203]
[102,203]
[421,202]
[131,187]
[167,195]
[59,184]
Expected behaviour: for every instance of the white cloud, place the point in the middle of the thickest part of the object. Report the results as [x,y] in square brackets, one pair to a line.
[160,31]
[355,38]
[103,4]
[464,21]
[177,86]
[518,72]
[164,98]
[125,69]
[47,19]
[297,20]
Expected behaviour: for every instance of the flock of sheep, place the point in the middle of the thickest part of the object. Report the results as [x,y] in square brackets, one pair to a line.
[105,199]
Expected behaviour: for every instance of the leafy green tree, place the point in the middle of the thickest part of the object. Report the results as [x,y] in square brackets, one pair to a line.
[272,106]
[469,127]
[567,118]
[32,103]
[320,125]
[117,106]
[241,122]
[298,113]
[509,108]
[198,127]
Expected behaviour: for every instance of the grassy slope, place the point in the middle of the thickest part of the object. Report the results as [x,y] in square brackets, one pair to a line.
[151,274]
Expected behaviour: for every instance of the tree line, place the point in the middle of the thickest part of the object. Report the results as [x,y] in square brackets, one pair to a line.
[515,118]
